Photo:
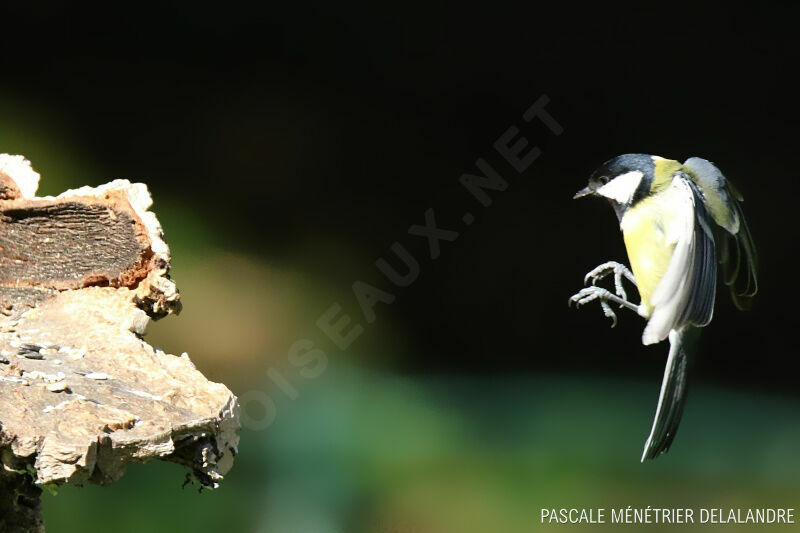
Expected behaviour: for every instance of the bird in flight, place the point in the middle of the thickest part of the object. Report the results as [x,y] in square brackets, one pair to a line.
[677,220]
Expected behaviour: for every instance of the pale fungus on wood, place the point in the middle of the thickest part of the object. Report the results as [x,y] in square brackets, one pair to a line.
[81,394]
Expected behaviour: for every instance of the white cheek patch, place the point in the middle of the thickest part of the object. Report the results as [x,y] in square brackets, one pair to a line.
[622,187]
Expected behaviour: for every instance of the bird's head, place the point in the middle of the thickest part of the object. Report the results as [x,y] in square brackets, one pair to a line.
[628,178]
[619,179]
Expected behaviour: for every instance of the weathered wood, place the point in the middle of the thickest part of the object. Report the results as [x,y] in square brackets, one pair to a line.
[81,394]
[70,244]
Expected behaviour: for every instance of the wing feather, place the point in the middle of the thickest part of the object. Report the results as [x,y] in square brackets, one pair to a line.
[737,251]
[685,294]
[741,274]
[702,290]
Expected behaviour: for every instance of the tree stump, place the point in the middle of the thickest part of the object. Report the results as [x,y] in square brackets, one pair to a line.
[81,394]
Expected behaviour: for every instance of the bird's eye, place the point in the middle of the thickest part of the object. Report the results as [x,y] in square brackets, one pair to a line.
[604,179]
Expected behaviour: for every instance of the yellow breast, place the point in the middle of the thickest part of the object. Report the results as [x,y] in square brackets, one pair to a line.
[650,242]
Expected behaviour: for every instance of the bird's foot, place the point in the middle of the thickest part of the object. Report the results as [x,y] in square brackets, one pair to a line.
[619,270]
[589,294]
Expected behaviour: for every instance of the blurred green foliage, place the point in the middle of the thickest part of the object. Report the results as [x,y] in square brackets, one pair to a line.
[363,451]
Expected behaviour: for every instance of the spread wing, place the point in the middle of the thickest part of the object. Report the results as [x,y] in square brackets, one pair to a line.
[737,252]
[685,294]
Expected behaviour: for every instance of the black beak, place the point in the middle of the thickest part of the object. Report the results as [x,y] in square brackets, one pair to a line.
[586,191]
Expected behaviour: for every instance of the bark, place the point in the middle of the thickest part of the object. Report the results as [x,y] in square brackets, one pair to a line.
[81,394]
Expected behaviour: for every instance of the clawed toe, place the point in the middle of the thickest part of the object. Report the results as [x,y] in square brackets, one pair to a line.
[586,295]
[589,294]
[609,313]
[619,271]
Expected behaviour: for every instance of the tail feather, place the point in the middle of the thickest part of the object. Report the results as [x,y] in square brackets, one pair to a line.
[670,400]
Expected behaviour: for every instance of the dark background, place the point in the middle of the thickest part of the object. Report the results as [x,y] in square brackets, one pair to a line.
[345,122]
[288,146]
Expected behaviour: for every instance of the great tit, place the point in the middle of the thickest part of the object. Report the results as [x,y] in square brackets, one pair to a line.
[677,220]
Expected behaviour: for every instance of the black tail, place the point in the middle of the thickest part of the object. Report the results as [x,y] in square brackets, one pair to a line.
[671,399]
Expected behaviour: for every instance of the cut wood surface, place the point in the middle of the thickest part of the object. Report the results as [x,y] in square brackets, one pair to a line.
[82,395]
